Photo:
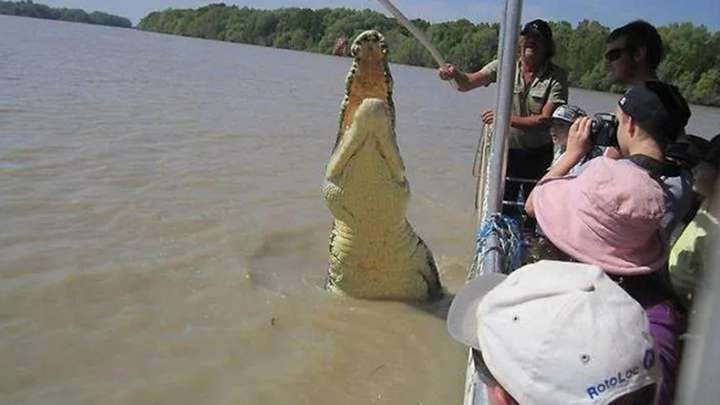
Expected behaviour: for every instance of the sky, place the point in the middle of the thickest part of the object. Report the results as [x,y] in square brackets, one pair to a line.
[612,13]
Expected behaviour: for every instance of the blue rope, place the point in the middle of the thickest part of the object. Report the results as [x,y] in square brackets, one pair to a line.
[507,230]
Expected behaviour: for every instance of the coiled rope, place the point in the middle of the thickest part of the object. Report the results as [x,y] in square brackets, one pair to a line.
[509,247]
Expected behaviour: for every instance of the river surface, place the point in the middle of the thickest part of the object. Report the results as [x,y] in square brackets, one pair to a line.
[163,237]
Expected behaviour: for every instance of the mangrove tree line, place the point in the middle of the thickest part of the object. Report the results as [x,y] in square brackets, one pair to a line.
[692,61]
[30,9]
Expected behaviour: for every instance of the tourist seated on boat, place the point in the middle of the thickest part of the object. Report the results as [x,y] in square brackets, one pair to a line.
[556,333]
[655,115]
[687,265]
[563,117]
[616,212]
[688,151]
[540,86]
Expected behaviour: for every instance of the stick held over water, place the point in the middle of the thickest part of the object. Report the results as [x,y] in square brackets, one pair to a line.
[415,31]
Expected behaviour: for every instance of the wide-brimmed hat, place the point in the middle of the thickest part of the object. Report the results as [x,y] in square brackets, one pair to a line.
[556,333]
[609,216]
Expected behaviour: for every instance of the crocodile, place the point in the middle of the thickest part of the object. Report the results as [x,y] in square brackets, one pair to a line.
[374,251]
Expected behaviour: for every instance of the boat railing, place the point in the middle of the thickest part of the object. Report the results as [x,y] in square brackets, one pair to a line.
[492,155]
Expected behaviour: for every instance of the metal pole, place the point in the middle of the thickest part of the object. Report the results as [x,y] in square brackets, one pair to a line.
[495,182]
[501,38]
[492,196]
[492,192]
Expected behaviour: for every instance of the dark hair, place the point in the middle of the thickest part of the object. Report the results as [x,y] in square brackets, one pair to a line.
[660,138]
[658,108]
[541,28]
[688,150]
[551,49]
[713,155]
[641,34]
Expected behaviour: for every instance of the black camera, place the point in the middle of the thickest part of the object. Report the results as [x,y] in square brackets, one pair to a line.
[603,129]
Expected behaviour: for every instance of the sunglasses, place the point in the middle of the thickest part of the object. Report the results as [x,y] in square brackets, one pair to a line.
[615,54]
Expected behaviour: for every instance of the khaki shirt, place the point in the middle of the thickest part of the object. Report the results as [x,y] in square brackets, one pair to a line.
[549,84]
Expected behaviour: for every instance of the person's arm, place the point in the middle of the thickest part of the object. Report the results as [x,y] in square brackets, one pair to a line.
[543,119]
[468,81]
[474,80]
[531,121]
[557,95]
[578,145]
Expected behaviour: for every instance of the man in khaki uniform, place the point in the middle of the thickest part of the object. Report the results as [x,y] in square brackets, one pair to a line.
[540,86]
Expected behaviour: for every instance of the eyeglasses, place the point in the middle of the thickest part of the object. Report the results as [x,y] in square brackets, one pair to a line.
[615,54]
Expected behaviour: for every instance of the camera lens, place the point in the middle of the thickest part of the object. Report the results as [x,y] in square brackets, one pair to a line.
[603,129]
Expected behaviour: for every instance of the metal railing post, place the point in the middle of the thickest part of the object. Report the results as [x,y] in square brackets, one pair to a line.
[491,194]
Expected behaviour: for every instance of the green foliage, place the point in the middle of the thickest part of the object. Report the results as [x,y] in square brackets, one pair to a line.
[30,9]
[707,89]
[692,61]
[692,52]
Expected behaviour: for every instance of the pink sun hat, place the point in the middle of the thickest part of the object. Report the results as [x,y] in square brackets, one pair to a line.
[608,216]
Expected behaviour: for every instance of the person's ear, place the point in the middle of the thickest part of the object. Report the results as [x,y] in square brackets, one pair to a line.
[632,128]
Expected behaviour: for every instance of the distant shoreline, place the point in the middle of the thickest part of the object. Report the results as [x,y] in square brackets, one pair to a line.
[42,11]
[470,46]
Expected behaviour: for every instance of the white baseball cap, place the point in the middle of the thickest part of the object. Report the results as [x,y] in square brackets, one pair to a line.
[556,333]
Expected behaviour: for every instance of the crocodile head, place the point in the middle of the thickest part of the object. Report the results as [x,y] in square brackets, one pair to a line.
[369,77]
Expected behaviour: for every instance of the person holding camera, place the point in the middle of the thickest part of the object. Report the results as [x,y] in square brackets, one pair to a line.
[540,86]
[618,218]
[563,117]
[687,257]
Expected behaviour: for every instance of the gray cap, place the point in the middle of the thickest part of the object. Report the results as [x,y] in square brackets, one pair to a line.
[568,113]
